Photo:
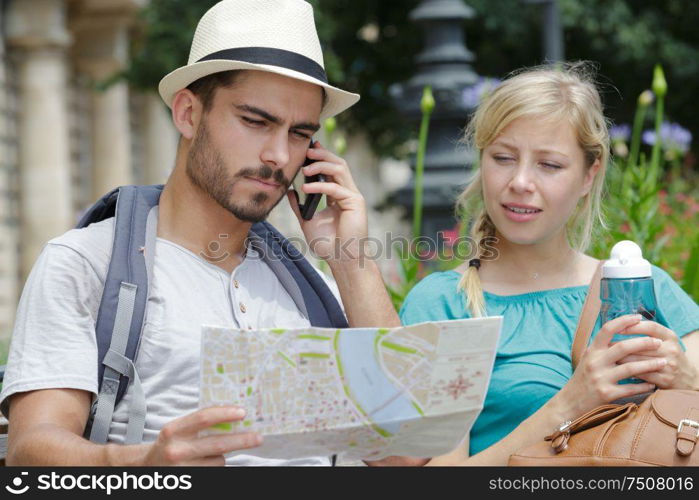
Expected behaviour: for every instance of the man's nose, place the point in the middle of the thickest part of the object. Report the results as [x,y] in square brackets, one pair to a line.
[276,150]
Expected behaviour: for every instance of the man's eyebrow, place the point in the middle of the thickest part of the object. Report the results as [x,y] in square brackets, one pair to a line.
[313,127]
[261,112]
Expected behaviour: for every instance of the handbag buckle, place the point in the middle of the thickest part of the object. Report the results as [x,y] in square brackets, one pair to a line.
[685,441]
[689,423]
[559,439]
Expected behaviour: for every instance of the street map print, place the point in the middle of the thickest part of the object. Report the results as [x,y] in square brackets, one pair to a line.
[364,392]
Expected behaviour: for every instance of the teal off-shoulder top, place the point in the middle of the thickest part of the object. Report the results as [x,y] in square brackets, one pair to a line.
[533,359]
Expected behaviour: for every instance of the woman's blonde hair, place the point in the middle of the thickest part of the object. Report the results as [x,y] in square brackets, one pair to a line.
[561,92]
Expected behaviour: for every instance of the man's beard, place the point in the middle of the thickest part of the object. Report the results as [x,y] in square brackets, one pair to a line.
[206,170]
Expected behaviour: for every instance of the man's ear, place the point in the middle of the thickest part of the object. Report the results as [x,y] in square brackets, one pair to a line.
[186,113]
[590,175]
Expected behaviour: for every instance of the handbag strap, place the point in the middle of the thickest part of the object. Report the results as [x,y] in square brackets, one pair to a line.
[588,317]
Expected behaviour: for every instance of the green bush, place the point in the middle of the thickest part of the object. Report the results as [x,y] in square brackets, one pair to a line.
[654,201]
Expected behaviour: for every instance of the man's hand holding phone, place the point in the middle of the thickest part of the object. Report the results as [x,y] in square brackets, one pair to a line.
[343,223]
[308,203]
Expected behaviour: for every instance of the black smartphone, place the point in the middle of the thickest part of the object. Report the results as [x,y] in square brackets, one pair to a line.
[308,203]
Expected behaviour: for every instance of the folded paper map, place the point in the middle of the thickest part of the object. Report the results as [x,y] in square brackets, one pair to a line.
[364,392]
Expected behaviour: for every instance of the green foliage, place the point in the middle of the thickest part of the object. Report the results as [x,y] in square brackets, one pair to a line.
[168,28]
[656,209]
[410,263]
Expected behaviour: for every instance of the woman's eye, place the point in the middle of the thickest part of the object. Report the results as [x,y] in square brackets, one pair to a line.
[502,158]
[551,166]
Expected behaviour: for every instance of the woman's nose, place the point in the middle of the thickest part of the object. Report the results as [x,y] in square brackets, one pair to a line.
[522,178]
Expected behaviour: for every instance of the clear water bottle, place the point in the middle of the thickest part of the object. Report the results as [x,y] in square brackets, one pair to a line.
[627,285]
[627,288]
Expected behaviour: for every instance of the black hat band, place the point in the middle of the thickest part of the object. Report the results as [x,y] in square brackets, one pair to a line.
[272,57]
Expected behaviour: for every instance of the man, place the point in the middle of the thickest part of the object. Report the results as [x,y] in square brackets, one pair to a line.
[246,106]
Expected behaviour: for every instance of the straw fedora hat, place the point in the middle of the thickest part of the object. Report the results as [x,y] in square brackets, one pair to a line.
[278,36]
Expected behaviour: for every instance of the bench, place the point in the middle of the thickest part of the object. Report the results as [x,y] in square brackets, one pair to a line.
[3,426]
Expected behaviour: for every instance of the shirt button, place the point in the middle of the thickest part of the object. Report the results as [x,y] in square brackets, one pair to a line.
[242,307]
[236,284]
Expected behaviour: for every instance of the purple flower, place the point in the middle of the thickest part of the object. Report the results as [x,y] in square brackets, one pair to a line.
[472,95]
[673,137]
[619,133]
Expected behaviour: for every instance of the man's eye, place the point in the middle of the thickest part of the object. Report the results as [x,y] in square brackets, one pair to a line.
[301,135]
[250,121]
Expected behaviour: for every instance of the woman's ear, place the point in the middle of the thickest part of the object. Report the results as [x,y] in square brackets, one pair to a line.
[590,175]
[186,113]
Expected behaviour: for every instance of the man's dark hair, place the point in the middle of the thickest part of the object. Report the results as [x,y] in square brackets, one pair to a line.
[205,88]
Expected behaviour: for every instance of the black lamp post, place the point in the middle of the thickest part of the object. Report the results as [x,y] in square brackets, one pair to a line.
[551,30]
[445,65]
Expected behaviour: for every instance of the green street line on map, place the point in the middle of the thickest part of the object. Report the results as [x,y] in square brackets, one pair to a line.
[247,423]
[277,331]
[376,428]
[287,359]
[399,348]
[224,426]
[337,355]
[379,335]
[314,337]
[419,410]
[318,355]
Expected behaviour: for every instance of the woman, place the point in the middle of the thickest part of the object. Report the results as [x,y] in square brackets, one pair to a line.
[543,145]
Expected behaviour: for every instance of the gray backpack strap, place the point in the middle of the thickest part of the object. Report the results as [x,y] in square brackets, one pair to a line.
[122,310]
[116,365]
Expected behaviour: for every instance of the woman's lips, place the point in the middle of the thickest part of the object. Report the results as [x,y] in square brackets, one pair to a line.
[521,213]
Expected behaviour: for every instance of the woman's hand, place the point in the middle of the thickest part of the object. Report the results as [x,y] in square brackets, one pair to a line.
[595,381]
[679,372]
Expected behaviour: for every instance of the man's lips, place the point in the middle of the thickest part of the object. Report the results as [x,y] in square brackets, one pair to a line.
[268,184]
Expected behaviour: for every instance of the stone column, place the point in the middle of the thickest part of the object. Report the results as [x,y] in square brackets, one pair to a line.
[36,29]
[9,263]
[101,51]
[160,140]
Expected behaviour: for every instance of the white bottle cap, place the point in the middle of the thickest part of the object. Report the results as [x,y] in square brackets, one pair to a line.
[626,261]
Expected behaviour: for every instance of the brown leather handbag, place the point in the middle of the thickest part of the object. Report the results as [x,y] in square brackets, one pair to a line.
[662,430]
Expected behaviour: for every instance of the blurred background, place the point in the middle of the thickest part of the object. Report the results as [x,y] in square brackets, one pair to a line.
[80,115]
